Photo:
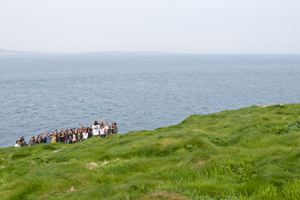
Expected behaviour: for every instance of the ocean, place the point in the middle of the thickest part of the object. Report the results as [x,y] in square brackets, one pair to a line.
[138,91]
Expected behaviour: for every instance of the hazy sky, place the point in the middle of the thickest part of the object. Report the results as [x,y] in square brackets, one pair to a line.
[179,26]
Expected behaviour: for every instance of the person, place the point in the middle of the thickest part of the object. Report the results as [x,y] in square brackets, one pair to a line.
[62,137]
[109,130]
[106,127]
[53,138]
[66,137]
[56,135]
[79,135]
[38,140]
[43,139]
[17,143]
[95,128]
[112,128]
[84,134]
[88,130]
[115,128]
[48,138]
[31,142]
[70,137]
[23,142]
[102,132]
[74,137]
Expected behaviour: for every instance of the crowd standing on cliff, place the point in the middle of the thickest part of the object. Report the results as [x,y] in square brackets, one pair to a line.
[71,136]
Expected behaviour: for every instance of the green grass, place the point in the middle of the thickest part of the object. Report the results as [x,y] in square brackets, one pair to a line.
[250,153]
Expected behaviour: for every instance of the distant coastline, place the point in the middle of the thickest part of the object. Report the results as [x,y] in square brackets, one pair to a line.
[3,51]
[17,52]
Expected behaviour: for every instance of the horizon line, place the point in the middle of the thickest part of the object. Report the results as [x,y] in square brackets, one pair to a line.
[4,51]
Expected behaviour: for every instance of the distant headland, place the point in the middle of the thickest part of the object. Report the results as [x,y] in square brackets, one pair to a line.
[3,51]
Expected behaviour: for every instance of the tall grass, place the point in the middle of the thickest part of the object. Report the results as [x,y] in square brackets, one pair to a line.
[250,153]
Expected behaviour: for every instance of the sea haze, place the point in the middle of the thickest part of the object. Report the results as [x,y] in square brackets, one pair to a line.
[44,92]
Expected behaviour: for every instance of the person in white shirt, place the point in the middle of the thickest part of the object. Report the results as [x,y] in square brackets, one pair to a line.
[102,132]
[17,143]
[84,135]
[106,127]
[95,128]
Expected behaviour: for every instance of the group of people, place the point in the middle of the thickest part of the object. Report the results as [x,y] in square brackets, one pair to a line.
[71,136]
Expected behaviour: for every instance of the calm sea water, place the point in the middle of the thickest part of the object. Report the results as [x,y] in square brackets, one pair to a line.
[42,93]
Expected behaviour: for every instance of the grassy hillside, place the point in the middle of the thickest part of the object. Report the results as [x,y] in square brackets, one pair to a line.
[250,153]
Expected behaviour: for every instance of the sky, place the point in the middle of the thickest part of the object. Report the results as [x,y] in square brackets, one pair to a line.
[176,26]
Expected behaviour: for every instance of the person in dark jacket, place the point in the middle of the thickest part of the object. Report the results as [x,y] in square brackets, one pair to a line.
[38,140]
[88,130]
[115,128]
[62,136]
[31,142]
[43,139]
[23,142]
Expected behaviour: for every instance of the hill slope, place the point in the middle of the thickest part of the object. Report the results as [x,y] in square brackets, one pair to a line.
[250,153]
